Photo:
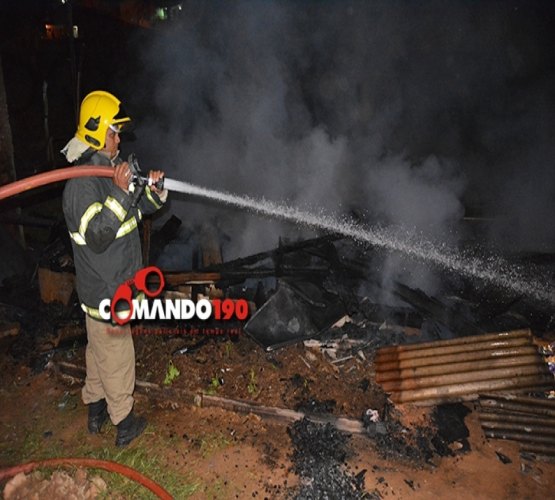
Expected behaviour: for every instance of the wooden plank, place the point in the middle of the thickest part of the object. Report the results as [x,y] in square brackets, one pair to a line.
[283,415]
[280,415]
[176,279]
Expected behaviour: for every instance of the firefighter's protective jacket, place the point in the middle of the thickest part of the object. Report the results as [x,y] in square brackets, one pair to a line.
[103,227]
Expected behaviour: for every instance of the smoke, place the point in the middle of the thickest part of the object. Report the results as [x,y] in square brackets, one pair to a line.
[404,112]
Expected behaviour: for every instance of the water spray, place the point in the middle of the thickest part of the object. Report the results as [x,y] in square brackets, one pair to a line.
[493,271]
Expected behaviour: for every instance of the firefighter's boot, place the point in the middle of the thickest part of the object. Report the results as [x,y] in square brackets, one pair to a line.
[98,414]
[129,428]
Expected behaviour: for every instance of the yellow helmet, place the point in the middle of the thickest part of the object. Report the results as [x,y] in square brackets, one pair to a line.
[99,111]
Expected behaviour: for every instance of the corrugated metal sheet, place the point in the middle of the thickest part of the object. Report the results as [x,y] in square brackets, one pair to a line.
[460,369]
[528,420]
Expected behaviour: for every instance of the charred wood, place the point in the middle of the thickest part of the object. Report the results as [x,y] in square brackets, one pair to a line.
[429,307]
[275,254]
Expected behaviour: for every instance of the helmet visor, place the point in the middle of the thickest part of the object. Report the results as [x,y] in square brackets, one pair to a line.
[116,128]
[120,121]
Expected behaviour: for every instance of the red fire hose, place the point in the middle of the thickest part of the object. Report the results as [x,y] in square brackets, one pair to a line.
[91,463]
[11,190]
[51,176]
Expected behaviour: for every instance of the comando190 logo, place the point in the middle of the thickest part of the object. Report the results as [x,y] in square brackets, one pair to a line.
[150,281]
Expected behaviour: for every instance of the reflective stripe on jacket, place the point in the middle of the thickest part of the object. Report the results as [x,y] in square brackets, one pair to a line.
[104,232]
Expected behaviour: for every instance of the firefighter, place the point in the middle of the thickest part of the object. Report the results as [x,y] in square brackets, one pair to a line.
[102,216]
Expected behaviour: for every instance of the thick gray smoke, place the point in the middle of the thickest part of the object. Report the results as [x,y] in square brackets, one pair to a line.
[403,112]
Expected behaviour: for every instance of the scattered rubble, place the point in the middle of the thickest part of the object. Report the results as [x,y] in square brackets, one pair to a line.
[324,348]
[319,454]
[443,434]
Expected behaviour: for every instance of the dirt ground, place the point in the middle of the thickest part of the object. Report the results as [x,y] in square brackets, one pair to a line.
[214,453]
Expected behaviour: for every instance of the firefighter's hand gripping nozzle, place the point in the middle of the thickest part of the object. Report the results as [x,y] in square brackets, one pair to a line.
[139,181]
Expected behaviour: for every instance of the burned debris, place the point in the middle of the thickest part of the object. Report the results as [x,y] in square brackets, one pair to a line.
[307,294]
[319,454]
[324,292]
[315,323]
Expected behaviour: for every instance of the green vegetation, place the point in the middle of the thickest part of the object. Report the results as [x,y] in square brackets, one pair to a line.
[34,445]
[211,443]
[214,386]
[171,373]
[145,460]
[252,387]
[228,349]
[146,456]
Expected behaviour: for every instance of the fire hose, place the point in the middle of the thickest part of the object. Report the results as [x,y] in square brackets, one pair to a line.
[63,174]
[93,463]
[51,176]
[27,184]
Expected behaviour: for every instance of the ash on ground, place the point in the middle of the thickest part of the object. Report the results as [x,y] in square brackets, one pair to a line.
[446,435]
[319,454]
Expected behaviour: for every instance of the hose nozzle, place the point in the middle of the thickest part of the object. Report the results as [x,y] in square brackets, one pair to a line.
[137,176]
[158,184]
